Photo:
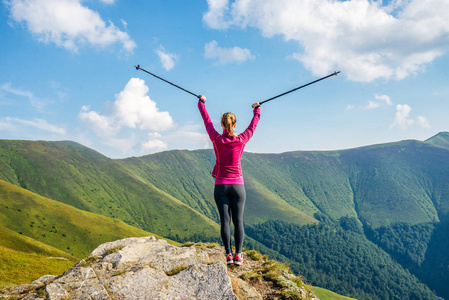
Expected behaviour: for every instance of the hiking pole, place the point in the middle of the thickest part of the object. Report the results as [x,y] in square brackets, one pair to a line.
[139,68]
[333,74]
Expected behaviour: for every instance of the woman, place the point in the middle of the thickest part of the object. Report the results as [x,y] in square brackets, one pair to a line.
[229,192]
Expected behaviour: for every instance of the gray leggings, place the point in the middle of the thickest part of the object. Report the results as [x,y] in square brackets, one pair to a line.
[230,200]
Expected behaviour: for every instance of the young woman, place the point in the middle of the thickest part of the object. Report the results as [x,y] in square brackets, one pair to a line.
[229,192]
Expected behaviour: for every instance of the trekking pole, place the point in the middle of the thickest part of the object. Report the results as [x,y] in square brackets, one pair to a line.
[333,74]
[139,68]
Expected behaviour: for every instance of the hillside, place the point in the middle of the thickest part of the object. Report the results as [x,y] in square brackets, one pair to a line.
[78,176]
[53,223]
[441,139]
[185,175]
[23,259]
[395,195]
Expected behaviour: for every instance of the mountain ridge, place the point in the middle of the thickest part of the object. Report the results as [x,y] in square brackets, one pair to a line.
[367,188]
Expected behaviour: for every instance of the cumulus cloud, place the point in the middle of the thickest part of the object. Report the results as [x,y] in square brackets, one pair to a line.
[215,17]
[167,59]
[380,100]
[68,24]
[226,55]
[132,109]
[402,119]
[362,38]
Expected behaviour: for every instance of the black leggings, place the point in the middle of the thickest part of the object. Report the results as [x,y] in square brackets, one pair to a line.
[230,200]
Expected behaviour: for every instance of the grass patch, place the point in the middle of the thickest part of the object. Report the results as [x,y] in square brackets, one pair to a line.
[18,267]
[176,270]
[255,255]
[213,245]
[324,294]
[113,250]
[188,244]
[291,286]
[89,261]
[120,272]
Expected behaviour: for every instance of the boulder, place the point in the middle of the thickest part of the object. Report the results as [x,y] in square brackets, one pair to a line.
[138,268]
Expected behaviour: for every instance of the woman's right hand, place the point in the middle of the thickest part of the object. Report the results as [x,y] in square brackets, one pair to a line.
[203,98]
[256,105]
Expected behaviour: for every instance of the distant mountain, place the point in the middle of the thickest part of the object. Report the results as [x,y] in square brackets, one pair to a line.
[441,139]
[394,194]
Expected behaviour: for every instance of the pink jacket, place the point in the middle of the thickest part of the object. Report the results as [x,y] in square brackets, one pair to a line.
[228,149]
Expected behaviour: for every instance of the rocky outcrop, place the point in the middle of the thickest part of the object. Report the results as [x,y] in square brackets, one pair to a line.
[138,268]
[147,268]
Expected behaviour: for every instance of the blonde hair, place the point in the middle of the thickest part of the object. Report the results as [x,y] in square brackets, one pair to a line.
[228,121]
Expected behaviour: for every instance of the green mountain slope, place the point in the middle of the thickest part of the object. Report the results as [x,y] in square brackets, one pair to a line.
[441,139]
[76,175]
[185,175]
[16,241]
[399,182]
[389,188]
[53,223]
[341,260]
[380,185]
[23,259]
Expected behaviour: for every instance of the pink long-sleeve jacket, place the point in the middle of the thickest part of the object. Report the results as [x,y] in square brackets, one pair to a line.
[228,149]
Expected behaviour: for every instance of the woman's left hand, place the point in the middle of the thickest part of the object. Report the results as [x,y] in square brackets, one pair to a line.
[256,105]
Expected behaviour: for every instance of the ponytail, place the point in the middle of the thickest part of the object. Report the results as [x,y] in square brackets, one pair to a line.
[228,121]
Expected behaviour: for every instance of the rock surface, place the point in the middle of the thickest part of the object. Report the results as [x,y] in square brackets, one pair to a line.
[147,268]
[137,268]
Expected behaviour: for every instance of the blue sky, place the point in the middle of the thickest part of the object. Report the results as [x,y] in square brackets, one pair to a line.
[67,72]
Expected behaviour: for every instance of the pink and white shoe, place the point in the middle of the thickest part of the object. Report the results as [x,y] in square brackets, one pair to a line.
[229,259]
[238,259]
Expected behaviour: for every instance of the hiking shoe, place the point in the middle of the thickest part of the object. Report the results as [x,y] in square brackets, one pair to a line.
[238,259]
[229,259]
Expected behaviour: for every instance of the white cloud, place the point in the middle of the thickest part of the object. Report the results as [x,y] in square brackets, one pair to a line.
[349,107]
[8,88]
[215,17]
[132,109]
[124,23]
[38,103]
[68,24]
[380,100]
[43,125]
[154,144]
[167,59]
[189,136]
[362,38]
[422,121]
[401,118]
[226,55]
[108,1]
[101,124]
